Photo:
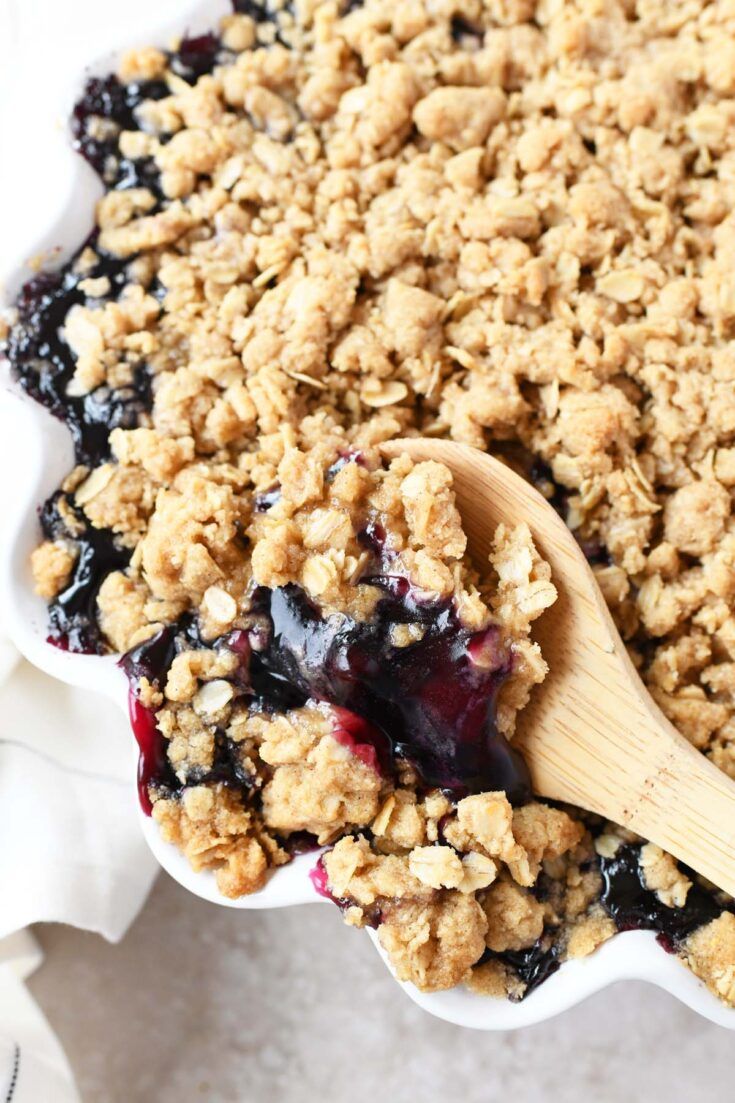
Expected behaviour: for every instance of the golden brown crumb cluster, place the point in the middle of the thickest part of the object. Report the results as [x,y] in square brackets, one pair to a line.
[454,880]
[505,222]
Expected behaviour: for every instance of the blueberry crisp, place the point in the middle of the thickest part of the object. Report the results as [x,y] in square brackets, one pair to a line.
[328,225]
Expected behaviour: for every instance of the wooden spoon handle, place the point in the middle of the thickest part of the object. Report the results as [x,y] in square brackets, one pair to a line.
[611,750]
[690,809]
[591,734]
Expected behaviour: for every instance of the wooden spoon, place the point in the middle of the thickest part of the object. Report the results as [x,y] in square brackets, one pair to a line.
[591,733]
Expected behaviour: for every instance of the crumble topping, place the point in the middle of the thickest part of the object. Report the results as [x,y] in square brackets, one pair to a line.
[711,954]
[662,874]
[52,563]
[433,944]
[317,784]
[213,830]
[509,226]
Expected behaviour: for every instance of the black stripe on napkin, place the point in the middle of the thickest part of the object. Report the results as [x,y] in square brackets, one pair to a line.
[14,1078]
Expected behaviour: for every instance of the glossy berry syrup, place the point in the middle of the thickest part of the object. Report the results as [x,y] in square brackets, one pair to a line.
[43,363]
[116,104]
[153,764]
[533,965]
[108,99]
[365,741]
[150,660]
[633,907]
[41,360]
[320,880]
[73,613]
[431,703]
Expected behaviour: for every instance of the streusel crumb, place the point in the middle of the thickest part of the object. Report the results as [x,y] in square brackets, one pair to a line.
[433,944]
[51,563]
[711,954]
[213,830]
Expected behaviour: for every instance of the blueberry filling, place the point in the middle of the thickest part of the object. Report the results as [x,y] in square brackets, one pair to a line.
[595,552]
[433,700]
[533,965]
[366,742]
[73,612]
[108,99]
[151,660]
[196,56]
[269,11]
[154,769]
[373,538]
[540,474]
[349,455]
[633,907]
[536,964]
[155,772]
[461,29]
[431,703]
[41,360]
[256,9]
[320,880]
[268,498]
[108,106]
[299,842]
[44,364]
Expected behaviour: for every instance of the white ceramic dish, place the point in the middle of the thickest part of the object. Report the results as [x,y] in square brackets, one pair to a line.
[39,450]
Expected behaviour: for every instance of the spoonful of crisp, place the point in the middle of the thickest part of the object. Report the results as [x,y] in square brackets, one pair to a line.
[591,734]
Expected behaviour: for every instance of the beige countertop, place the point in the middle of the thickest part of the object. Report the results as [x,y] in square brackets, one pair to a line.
[204,1003]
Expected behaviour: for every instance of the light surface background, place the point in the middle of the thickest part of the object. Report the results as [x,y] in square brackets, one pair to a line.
[290,1007]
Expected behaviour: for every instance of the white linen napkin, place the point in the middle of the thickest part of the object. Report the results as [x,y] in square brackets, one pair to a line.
[71,851]
[33,1068]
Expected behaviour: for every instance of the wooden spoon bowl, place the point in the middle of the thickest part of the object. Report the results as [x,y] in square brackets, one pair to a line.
[591,734]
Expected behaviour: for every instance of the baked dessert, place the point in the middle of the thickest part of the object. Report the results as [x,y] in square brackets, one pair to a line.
[322,228]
